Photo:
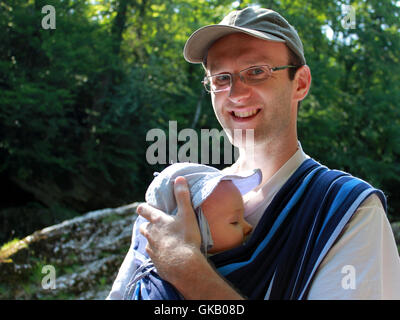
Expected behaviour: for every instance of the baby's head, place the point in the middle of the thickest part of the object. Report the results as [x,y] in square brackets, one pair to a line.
[224,211]
[216,198]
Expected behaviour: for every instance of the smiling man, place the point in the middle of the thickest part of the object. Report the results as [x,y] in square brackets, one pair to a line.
[260,96]
[309,222]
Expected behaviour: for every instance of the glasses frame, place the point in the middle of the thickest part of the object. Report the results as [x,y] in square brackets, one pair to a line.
[207,80]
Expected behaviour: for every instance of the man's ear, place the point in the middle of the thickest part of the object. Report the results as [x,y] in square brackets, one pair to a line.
[302,82]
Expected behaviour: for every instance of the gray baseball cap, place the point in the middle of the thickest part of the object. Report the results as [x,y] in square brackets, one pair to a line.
[258,22]
[202,180]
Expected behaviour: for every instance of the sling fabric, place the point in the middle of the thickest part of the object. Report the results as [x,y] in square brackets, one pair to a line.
[296,231]
[145,283]
[282,255]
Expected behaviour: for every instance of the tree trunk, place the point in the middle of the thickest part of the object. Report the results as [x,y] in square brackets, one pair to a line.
[198,109]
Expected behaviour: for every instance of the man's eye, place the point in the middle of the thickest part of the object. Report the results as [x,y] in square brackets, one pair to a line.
[223,78]
[256,71]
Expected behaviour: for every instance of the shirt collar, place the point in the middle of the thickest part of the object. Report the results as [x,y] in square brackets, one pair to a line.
[263,196]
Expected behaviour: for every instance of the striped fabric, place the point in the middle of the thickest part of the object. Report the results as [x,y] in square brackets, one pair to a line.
[145,283]
[295,233]
[281,257]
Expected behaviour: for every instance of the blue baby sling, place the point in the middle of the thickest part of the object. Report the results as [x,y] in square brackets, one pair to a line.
[145,283]
[295,233]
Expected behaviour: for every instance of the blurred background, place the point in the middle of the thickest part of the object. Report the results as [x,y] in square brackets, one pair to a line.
[77,101]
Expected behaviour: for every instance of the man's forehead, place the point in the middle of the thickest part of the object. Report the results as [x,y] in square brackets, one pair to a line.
[244,50]
[262,57]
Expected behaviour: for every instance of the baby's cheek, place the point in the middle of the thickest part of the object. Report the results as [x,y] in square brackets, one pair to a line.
[228,238]
[236,236]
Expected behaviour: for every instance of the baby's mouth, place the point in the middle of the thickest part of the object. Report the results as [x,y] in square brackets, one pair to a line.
[247,238]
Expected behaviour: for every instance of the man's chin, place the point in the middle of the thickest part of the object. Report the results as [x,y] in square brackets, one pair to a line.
[242,138]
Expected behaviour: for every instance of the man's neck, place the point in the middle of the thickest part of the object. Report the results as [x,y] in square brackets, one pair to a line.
[267,156]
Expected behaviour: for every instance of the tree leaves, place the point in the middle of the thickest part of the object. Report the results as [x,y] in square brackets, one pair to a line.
[78,101]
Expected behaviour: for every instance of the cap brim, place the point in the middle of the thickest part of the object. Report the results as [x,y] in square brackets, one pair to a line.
[201,40]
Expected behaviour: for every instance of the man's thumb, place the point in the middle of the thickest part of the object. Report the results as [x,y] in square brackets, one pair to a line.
[186,213]
[182,196]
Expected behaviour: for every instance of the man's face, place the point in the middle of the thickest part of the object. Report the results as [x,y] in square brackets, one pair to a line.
[267,107]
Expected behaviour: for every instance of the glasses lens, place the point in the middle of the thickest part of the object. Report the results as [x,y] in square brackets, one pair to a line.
[219,82]
[256,74]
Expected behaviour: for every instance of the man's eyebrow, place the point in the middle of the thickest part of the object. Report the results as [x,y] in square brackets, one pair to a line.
[214,66]
[261,60]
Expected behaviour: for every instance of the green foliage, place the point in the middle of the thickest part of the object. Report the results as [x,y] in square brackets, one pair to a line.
[77,102]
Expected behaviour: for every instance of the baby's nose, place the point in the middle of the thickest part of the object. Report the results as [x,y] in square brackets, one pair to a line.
[247,227]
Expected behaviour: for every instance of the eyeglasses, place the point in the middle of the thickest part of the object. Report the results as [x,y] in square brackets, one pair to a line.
[251,76]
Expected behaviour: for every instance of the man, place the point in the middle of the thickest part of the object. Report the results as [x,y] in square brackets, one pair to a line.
[321,234]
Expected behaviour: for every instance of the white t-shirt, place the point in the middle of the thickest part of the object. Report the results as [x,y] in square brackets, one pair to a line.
[362,264]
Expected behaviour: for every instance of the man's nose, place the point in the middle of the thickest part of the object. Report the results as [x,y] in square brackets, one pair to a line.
[239,90]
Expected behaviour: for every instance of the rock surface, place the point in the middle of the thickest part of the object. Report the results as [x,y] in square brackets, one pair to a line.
[85,254]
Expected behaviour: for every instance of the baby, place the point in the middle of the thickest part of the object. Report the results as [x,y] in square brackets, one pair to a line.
[217,201]
[224,212]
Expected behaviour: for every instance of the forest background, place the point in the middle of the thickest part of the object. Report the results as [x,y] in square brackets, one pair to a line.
[77,101]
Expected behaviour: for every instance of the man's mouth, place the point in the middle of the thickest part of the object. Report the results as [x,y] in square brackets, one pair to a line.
[245,115]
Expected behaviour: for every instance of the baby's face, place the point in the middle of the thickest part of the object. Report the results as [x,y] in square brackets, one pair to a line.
[224,211]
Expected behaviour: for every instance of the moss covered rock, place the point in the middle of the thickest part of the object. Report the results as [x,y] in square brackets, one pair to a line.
[76,259]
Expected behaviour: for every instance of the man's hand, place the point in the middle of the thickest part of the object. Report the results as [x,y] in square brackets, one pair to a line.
[174,247]
[172,240]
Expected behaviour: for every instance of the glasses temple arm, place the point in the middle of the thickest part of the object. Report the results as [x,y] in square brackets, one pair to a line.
[284,67]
